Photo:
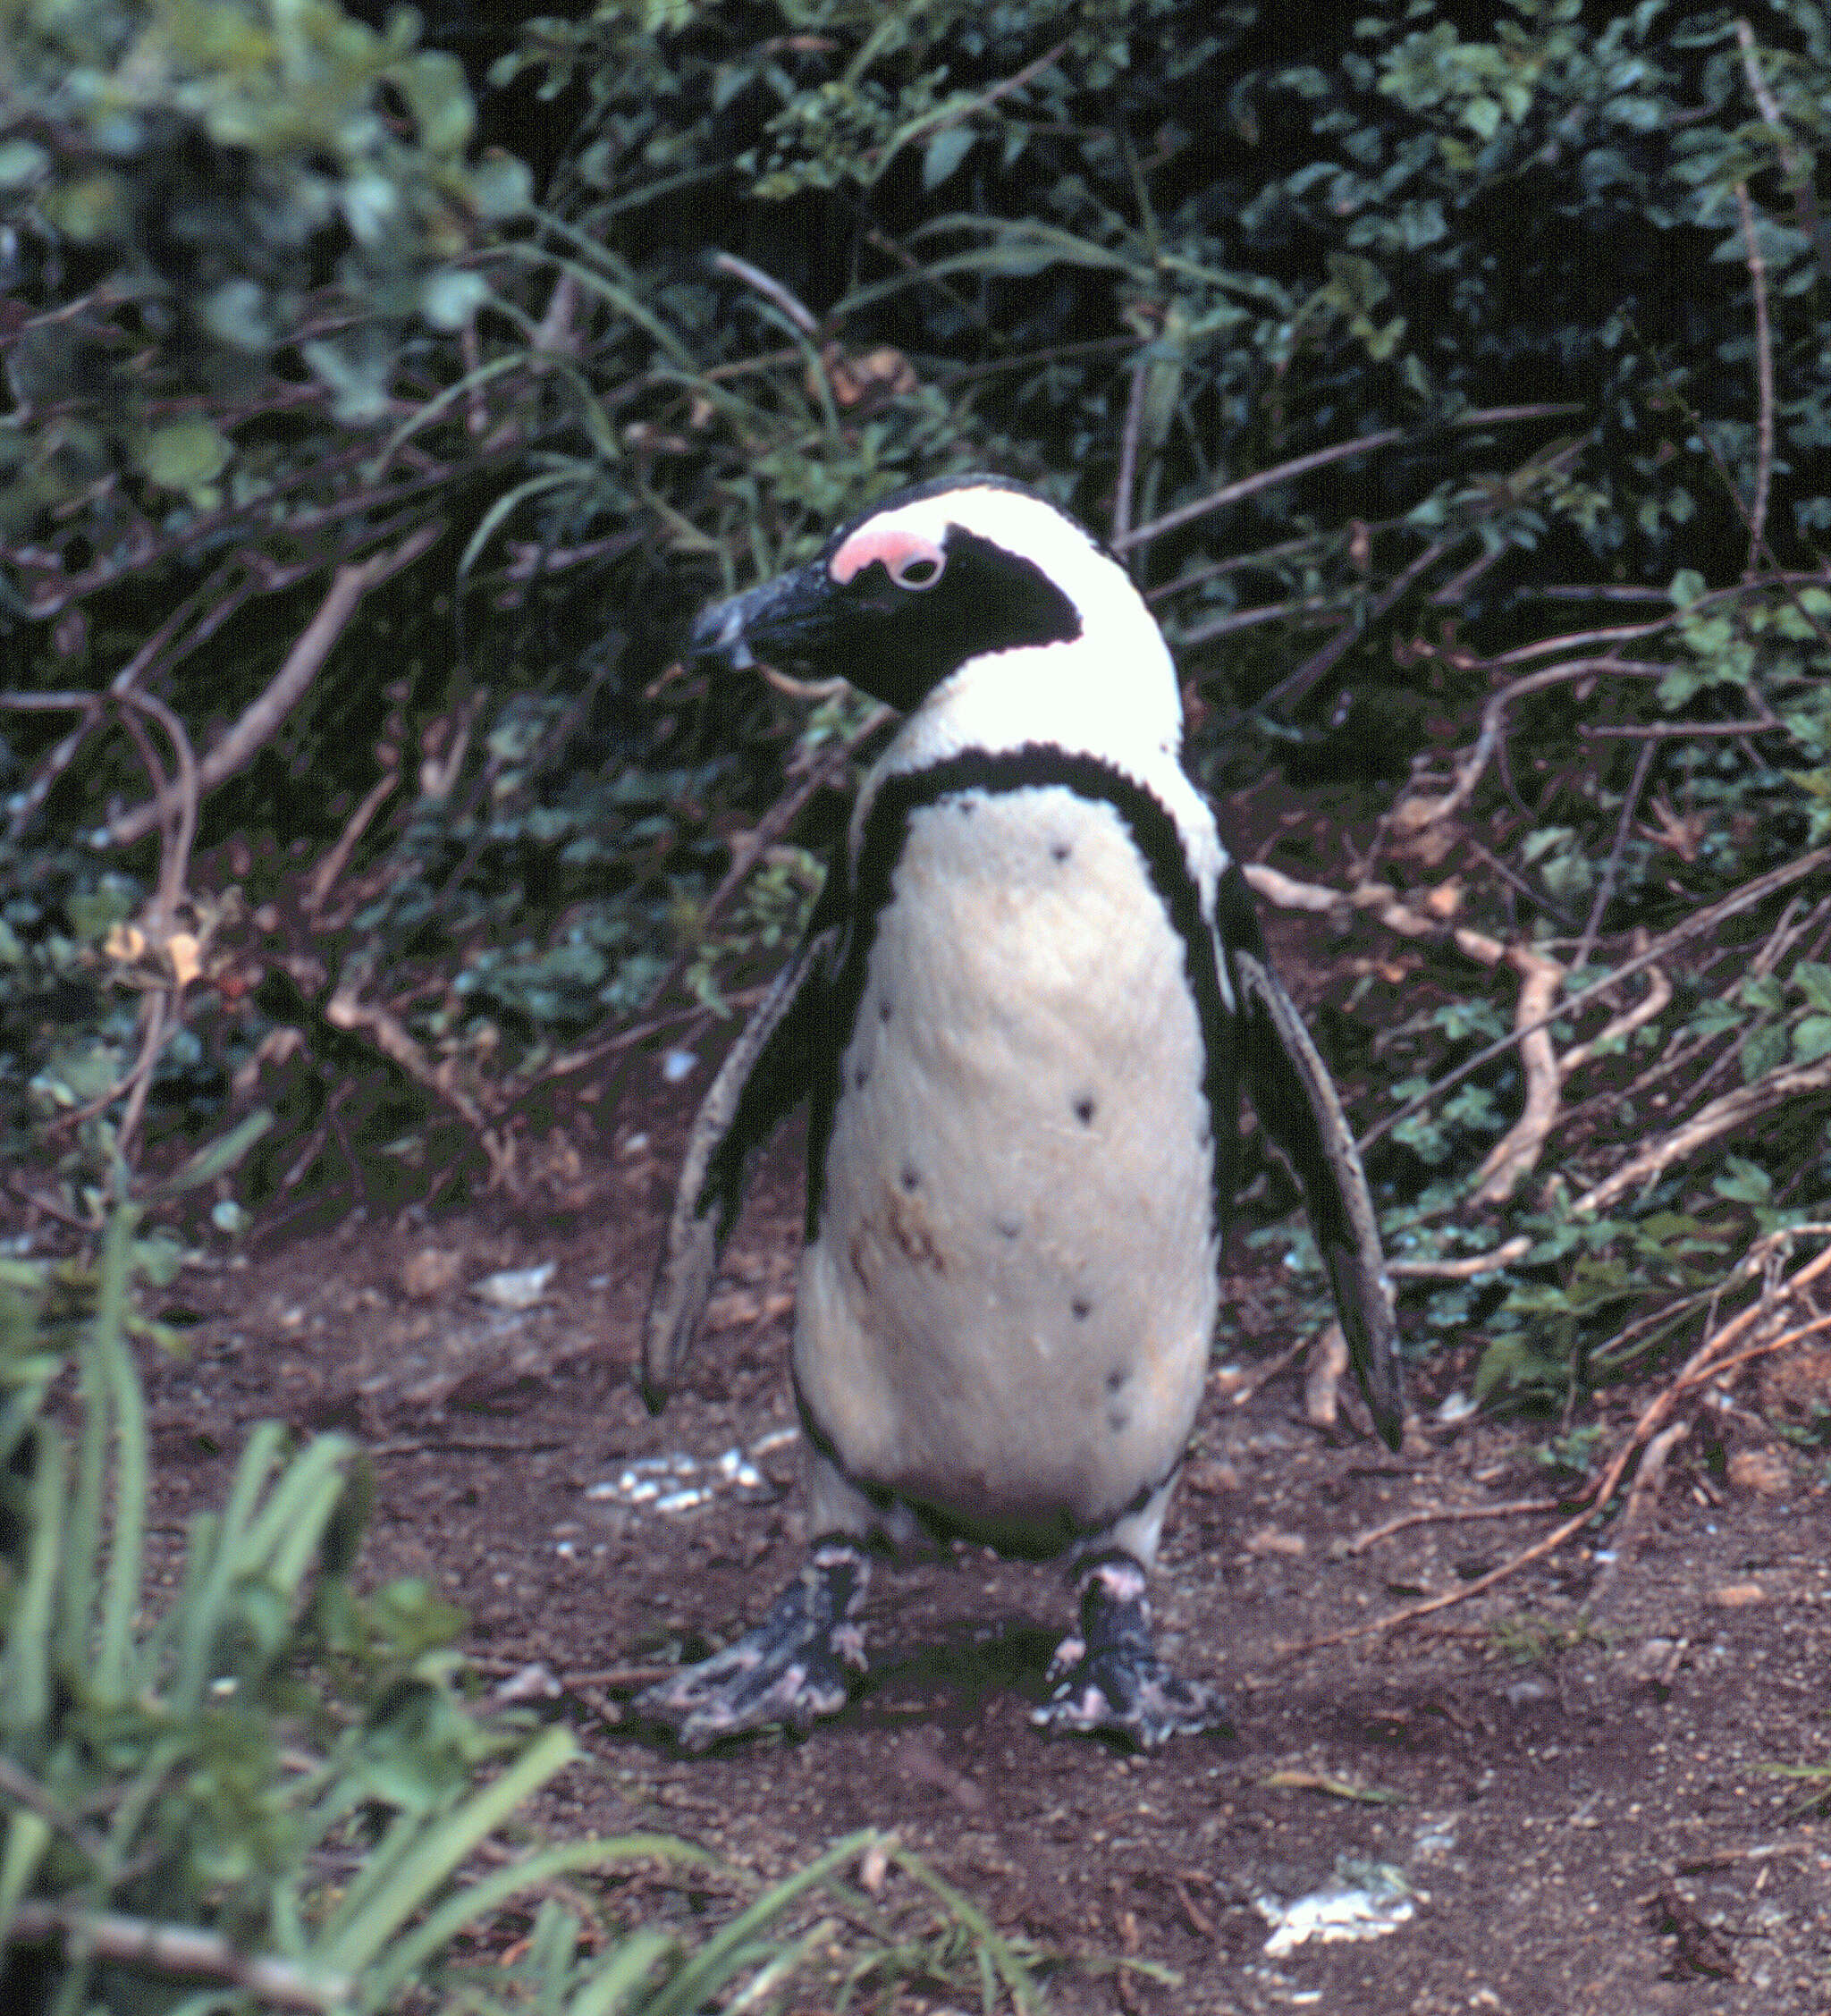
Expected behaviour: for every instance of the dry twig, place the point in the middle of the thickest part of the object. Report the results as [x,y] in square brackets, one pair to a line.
[1707,919]
[1720,1116]
[263,717]
[1711,1360]
[1302,465]
[1413,814]
[1605,888]
[1764,380]
[1442,1514]
[178,1950]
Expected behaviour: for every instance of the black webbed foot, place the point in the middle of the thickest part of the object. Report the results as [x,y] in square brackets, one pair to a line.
[791,1668]
[1109,1679]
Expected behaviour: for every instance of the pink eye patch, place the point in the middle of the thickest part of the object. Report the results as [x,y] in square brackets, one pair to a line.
[911,560]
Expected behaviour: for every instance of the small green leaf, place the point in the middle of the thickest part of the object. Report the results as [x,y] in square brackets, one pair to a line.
[1744,1182]
[184,456]
[22,162]
[1766,1050]
[944,154]
[1812,1039]
[500,186]
[448,299]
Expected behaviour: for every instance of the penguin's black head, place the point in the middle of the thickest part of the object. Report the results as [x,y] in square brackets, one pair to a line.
[909,591]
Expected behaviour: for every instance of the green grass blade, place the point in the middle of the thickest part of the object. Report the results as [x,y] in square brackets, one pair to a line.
[215,1158]
[439,1852]
[478,1900]
[612,1987]
[1016,1976]
[403,1835]
[115,1676]
[204,1620]
[28,1836]
[719,1958]
[83,1535]
[284,1542]
[25,1673]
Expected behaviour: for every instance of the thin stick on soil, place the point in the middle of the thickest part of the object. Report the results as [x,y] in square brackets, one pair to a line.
[1440,1515]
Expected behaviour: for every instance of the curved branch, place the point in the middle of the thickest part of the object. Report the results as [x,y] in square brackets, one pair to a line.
[262,719]
[1286,472]
[1720,1116]
[1413,814]
[1518,1149]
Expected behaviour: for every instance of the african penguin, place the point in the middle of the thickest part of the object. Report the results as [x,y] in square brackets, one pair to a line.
[1021,1014]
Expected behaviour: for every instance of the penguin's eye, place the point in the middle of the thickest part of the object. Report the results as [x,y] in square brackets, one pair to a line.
[920,571]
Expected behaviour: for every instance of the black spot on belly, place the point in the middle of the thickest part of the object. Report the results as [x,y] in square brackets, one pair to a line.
[884,1011]
[1117,1377]
[861,1075]
[1060,851]
[1007,1228]
[910,1178]
[1084,1109]
[1117,1420]
[1081,1308]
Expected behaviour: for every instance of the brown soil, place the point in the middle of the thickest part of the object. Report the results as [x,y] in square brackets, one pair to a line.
[1586,1810]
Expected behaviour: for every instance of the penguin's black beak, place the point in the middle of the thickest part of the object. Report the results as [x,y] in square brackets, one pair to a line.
[781,624]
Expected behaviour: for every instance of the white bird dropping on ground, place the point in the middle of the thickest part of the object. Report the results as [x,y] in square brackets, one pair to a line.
[1021,1014]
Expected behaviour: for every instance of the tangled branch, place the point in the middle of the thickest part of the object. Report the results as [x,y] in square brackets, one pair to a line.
[1760,1330]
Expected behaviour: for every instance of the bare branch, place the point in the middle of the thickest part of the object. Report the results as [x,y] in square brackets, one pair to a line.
[1707,919]
[181,1949]
[1293,685]
[1128,456]
[1611,868]
[1651,1005]
[1720,1116]
[770,287]
[1764,380]
[1413,814]
[1302,465]
[262,719]
[1711,1358]
[1796,166]
[1518,1149]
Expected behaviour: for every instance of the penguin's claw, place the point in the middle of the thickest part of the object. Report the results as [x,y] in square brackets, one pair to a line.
[792,1668]
[1108,1679]
[1117,1692]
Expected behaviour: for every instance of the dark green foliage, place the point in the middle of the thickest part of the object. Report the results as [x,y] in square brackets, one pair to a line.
[1563,273]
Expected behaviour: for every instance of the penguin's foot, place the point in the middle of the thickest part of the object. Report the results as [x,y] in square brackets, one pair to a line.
[791,1668]
[1108,1679]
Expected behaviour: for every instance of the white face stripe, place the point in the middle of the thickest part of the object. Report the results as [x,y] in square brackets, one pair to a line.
[898,545]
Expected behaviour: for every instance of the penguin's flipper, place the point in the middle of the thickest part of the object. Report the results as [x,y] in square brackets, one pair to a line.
[765,1075]
[1296,1104]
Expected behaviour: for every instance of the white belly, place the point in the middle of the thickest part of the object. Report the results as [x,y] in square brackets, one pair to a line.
[1005,1316]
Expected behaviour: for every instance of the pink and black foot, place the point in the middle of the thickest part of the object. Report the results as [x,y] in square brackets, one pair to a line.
[1107,1678]
[792,1668]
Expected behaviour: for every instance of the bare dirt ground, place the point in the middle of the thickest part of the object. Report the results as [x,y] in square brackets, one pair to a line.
[1573,1779]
